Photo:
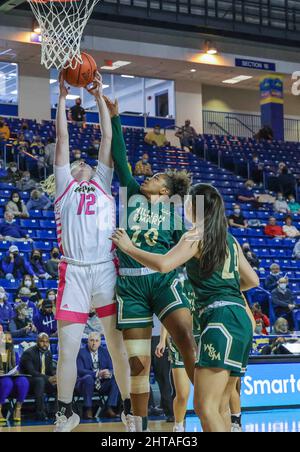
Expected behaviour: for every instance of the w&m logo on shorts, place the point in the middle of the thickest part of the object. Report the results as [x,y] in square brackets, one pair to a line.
[212,353]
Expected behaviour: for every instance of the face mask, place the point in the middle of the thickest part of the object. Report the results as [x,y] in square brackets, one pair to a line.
[283,286]
[249,188]
[27,283]
[255,160]
[9,346]
[280,198]
[55,255]
[24,299]
[26,178]
[292,201]
[36,258]
[246,249]
[51,297]
[145,162]
[77,156]
[237,211]
[14,169]
[16,200]
[258,329]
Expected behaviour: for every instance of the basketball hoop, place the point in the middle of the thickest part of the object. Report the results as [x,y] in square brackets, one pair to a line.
[62,23]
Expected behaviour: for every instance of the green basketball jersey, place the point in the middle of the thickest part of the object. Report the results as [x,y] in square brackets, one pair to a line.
[190,293]
[155,228]
[223,285]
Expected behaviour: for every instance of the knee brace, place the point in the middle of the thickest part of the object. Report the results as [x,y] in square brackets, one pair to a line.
[139,355]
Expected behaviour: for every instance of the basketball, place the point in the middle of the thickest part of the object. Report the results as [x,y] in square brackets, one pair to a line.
[84,73]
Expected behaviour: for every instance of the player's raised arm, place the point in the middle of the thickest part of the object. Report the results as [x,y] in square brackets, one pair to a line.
[179,255]
[105,156]
[62,153]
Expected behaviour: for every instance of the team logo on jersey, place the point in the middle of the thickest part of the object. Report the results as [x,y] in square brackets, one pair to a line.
[85,189]
[212,353]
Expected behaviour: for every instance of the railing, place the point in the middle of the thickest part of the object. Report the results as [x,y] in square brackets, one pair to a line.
[245,125]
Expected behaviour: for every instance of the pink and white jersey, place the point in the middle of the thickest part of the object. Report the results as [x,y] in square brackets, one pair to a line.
[85,216]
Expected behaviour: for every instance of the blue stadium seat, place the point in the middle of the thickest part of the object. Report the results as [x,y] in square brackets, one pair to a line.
[50,284]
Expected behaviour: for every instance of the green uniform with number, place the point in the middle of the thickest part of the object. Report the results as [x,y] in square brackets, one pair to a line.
[174,354]
[154,228]
[226,329]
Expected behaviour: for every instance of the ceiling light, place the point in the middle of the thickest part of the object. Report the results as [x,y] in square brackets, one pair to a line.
[238,79]
[52,80]
[105,86]
[193,70]
[210,48]
[14,92]
[72,97]
[128,76]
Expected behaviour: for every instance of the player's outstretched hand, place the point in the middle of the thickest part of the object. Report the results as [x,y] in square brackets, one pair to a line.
[113,107]
[122,240]
[64,91]
[96,88]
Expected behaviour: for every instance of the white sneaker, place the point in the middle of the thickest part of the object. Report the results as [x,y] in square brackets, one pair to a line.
[129,422]
[236,428]
[63,424]
[178,428]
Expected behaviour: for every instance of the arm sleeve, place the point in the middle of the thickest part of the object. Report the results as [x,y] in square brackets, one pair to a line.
[104,177]
[63,178]
[120,159]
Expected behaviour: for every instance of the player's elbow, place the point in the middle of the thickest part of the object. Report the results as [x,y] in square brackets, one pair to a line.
[163,267]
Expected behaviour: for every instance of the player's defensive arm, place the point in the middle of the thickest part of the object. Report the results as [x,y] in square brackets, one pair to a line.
[249,279]
[62,153]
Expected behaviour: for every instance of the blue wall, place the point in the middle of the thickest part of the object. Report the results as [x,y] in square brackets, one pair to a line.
[9,110]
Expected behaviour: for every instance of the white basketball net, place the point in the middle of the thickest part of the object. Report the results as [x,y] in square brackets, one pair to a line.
[62,24]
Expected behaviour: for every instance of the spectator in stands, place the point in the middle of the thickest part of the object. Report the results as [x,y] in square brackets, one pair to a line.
[247,194]
[14,387]
[281,326]
[38,201]
[49,155]
[283,301]
[289,229]
[11,232]
[156,138]
[265,133]
[287,183]
[26,183]
[260,316]
[237,219]
[13,174]
[4,130]
[143,167]
[77,114]
[51,296]
[274,230]
[15,266]
[95,374]
[37,147]
[259,329]
[296,251]
[26,133]
[38,265]
[187,135]
[250,256]
[280,205]
[38,362]
[51,265]
[17,206]
[281,165]
[29,281]
[6,311]
[76,155]
[93,150]
[21,325]
[271,281]
[24,296]
[44,320]
[257,169]
[294,206]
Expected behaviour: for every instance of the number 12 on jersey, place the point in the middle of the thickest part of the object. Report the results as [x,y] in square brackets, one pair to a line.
[86,204]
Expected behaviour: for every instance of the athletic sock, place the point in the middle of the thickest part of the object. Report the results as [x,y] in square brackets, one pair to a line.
[236,419]
[65,409]
[141,423]
[127,406]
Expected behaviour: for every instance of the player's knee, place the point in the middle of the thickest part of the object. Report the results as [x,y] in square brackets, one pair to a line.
[139,354]
[184,337]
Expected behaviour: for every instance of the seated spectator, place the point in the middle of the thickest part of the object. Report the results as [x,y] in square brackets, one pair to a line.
[237,219]
[271,281]
[44,320]
[260,317]
[294,206]
[93,324]
[283,301]
[37,147]
[143,167]
[281,165]
[4,130]
[250,256]
[38,362]
[289,229]
[38,201]
[13,174]
[24,296]
[259,329]
[257,169]
[287,183]
[280,205]
[12,232]
[21,325]
[49,155]
[15,266]
[187,135]
[16,206]
[51,296]
[6,311]
[76,155]
[93,150]
[296,251]
[38,265]
[11,387]
[26,183]
[27,133]
[51,265]
[156,138]
[247,195]
[281,326]
[273,230]
[29,281]
[95,374]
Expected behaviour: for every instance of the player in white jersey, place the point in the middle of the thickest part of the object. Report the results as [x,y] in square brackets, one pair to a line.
[85,216]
